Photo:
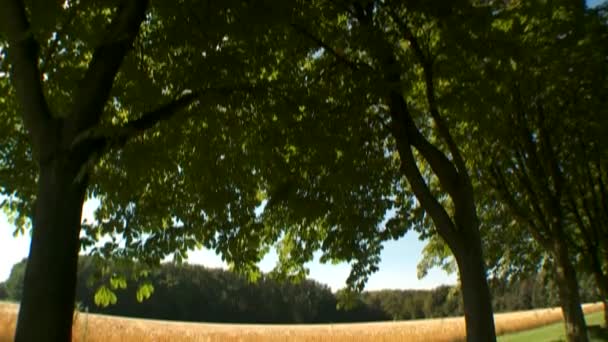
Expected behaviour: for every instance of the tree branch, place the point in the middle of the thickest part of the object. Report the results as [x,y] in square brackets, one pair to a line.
[407,135]
[338,55]
[602,188]
[527,143]
[50,51]
[523,215]
[549,153]
[595,196]
[579,221]
[440,164]
[119,135]
[96,140]
[96,84]
[586,204]
[401,132]
[524,179]
[427,66]
[449,178]
[25,75]
[165,112]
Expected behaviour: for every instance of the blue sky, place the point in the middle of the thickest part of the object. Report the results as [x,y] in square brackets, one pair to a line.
[397,269]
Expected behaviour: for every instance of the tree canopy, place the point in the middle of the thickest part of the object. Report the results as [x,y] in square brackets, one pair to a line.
[237,126]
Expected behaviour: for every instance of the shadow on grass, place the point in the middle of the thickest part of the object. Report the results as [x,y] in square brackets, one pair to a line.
[598,333]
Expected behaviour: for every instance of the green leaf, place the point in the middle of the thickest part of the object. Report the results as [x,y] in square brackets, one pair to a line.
[104,297]
[118,282]
[144,291]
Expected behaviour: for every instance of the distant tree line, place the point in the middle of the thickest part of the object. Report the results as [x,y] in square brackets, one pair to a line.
[195,293]
[523,293]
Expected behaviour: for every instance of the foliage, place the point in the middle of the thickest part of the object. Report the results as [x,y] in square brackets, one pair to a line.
[104,297]
[3,292]
[262,127]
[533,102]
[443,301]
[264,122]
[194,293]
[14,283]
[249,131]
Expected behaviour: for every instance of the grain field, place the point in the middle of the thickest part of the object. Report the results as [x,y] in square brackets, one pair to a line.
[101,328]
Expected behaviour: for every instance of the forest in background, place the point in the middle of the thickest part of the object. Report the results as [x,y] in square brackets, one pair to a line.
[195,293]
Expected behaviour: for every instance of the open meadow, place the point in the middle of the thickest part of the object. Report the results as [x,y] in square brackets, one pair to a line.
[555,332]
[98,328]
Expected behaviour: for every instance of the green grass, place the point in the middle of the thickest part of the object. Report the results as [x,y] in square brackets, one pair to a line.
[553,332]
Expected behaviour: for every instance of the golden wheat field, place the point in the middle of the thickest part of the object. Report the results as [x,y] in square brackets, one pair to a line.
[100,328]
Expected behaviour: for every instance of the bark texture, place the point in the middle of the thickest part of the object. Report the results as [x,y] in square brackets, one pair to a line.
[460,232]
[478,313]
[565,273]
[46,310]
[50,279]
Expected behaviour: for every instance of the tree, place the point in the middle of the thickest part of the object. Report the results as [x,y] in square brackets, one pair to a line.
[542,108]
[194,293]
[522,76]
[367,56]
[327,127]
[62,160]
[586,209]
[62,178]
[3,292]
[14,283]
[88,116]
[90,78]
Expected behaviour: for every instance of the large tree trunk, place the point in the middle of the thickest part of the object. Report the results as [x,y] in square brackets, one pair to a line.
[50,277]
[605,302]
[478,314]
[460,232]
[48,300]
[567,284]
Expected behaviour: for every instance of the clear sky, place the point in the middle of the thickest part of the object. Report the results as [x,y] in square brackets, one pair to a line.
[593,3]
[397,269]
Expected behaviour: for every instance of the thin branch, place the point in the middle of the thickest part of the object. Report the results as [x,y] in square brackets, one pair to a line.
[399,115]
[524,179]
[108,56]
[440,164]
[346,6]
[119,135]
[338,55]
[532,160]
[163,113]
[586,204]
[443,168]
[50,51]
[595,197]
[97,140]
[25,75]
[579,220]
[442,128]
[602,188]
[409,35]
[549,153]
[518,210]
